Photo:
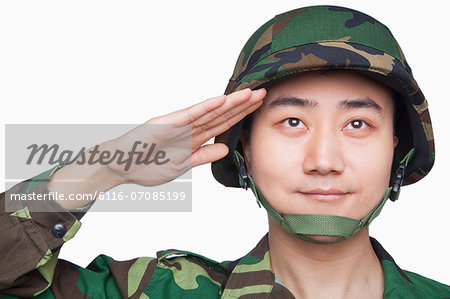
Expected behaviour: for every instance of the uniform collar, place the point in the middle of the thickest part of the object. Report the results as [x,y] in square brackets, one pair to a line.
[252,276]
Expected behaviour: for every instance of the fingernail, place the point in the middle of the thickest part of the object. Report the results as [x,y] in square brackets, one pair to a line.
[243,90]
[259,91]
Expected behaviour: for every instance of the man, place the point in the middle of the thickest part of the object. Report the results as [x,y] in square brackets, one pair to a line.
[322,154]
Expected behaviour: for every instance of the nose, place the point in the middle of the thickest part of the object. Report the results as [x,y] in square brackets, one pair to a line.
[323,153]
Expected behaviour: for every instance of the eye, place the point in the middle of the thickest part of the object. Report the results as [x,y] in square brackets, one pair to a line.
[356,124]
[294,123]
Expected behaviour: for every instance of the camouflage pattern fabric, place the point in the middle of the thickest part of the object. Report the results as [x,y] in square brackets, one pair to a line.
[328,37]
[29,266]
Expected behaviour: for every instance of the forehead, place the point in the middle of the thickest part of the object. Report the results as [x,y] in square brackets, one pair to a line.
[328,87]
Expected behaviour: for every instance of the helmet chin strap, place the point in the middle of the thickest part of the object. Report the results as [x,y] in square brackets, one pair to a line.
[301,225]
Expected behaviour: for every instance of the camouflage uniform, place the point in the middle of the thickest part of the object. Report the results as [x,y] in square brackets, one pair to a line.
[29,265]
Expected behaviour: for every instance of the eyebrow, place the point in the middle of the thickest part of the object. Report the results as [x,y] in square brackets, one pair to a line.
[293,101]
[343,105]
[360,103]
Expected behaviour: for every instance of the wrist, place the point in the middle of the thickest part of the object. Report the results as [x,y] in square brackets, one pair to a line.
[83,176]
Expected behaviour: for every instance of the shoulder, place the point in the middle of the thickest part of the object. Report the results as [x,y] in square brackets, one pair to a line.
[428,286]
[171,274]
[400,283]
[183,273]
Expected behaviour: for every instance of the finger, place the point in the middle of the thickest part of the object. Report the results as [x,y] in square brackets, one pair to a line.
[207,110]
[238,100]
[190,114]
[225,114]
[200,137]
[209,153]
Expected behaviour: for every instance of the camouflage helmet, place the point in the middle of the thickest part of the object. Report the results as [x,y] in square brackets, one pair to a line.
[330,37]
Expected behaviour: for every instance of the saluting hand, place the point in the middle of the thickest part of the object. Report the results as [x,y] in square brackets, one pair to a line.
[178,138]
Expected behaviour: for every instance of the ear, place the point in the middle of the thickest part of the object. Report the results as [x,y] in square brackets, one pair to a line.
[244,138]
[395,141]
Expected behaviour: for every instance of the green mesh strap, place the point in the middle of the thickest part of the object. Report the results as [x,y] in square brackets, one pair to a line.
[323,225]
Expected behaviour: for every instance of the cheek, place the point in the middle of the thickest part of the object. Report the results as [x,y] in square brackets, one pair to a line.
[372,169]
[276,168]
[273,155]
[269,160]
[266,160]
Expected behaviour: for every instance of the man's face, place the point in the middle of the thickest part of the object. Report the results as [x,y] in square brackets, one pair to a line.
[323,144]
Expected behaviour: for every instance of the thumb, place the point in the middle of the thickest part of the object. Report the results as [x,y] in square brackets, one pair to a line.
[209,153]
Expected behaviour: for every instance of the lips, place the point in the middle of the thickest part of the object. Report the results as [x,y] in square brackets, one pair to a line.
[325,195]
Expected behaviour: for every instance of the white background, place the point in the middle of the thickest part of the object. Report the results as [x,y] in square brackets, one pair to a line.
[128,61]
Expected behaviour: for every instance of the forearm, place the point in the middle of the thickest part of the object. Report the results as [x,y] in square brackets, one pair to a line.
[86,179]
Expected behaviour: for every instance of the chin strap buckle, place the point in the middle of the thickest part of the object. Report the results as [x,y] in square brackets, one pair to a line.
[399,176]
[243,174]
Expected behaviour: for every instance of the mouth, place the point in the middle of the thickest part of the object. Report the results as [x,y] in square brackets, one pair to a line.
[325,195]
